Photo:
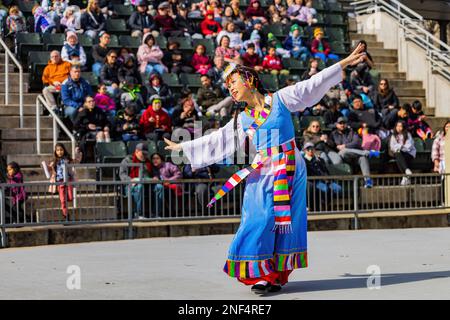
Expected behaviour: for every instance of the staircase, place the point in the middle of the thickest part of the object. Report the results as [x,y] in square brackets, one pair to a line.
[19,145]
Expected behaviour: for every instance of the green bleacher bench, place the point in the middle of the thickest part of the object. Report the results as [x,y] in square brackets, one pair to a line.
[190,80]
[117,26]
[123,11]
[53,41]
[129,41]
[27,42]
[110,152]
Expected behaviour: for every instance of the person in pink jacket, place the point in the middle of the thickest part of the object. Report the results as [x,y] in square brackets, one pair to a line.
[200,61]
[150,56]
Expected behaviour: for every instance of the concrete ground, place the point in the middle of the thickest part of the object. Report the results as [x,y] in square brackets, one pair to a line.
[414,264]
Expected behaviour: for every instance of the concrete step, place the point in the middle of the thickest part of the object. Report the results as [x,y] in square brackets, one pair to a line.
[370,44]
[37,174]
[77,214]
[14,78]
[28,98]
[386,67]
[11,67]
[25,147]
[29,109]
[13,87]
[26,134]
[430,112]
[29,160]
[12,122]
[393,75]
[405,84]
[378,52]
[436,123]
[384,59]
[359,36]
[401,92]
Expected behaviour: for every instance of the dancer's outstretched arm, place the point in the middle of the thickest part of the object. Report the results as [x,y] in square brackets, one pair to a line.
[210,148]
[307,93]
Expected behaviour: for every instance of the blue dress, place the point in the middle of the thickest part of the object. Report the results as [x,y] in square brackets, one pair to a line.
[256,250]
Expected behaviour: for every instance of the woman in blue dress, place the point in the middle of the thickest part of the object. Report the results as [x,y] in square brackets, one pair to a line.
[271,240]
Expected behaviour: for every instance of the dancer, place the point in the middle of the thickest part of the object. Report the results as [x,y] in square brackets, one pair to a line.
[271,239]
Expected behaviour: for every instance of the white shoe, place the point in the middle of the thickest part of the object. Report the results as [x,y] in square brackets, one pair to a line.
[408,172]
[405,181]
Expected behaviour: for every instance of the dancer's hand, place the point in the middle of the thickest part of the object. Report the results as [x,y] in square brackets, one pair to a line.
[172,145]
[354,58]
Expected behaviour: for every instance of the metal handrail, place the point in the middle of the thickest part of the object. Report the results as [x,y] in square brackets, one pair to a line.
[56,120]
[414,31]
[8,55]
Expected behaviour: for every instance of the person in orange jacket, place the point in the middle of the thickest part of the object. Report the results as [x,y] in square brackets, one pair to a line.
[54,75]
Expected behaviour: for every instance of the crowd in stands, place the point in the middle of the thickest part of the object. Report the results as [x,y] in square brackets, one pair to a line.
[132,102]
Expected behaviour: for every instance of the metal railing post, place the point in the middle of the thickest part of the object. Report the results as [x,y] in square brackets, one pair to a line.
[355,201]
[3,236]
[21,96]
[38,127]
[6,78]
[130,211]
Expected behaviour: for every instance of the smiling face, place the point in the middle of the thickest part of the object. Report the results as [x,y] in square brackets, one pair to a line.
[225,42]
[237,87]
[314,127]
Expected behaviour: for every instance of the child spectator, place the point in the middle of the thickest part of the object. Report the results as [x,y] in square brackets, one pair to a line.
[164,22]
[416,122]
[15,195]
[15,23]
[273,42]
[42,22]
[200,61]
[278,12]
[104,101]
[251,59]
[401,147]
[320,48]
[272,63]
[209,27]
[72,51]
[130,82]
[370,141]
[127,125]
[150,56]
[155,123]
[294,44]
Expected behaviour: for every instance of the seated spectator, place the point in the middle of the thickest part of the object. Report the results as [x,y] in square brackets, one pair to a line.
[72,51]
[92,20]
[385,100]
[15,22]
[150,56]
[42,21]
[211,99]
[216,73]
[224,50]
[184,116]
[99,52]
[200,189]
[209,27]
[416,122]
[155,122]
[70,20]
[127,174]
[255,11]
[130,83]
[156,86]
[91,124]
[165,23]
[235,37]
[229,16]
[299,13]
[362,82]
[314,135]
[177,63]
[74,91]
[360,117]
[141,21]
[401,147]
[53,76]
[109,74]
[200,61]
[251,59]
[312,11]
[272,41]
[392,117]
[165,170]
[255,40]
[104,101]
[320,48]
[332,114]
[184,24]
[370,140]
[347,145]
[272,63]
[438,149]
[294,44]
[278,12]
[127,125]
[256,30]
[312,69]
[124,52]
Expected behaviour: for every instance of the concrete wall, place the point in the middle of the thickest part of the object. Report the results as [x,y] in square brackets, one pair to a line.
[411,59]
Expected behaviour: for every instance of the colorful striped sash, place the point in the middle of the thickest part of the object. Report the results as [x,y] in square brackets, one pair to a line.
[283,159]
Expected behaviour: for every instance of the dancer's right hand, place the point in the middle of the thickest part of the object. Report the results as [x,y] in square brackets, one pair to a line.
[172,145]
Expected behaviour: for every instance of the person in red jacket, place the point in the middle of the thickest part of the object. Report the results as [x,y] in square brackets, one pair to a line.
[210,27]
[251,59]
[155,122]
[320,48]
[272,63]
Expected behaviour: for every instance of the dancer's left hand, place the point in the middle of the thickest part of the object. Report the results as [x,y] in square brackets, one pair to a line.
[355,57]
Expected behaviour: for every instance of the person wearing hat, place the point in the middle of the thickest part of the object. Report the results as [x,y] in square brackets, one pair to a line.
[272,41]
[127,124]
[271,240]
[320,48]
[347,146]
[155,122]
[141,21]
[210,28]
[294,44]
[184,24]
[156,86]
[133,174]
[72,51]
[165,23]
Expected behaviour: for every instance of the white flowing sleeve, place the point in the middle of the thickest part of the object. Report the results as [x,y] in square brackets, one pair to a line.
[213,147]
[307,93]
